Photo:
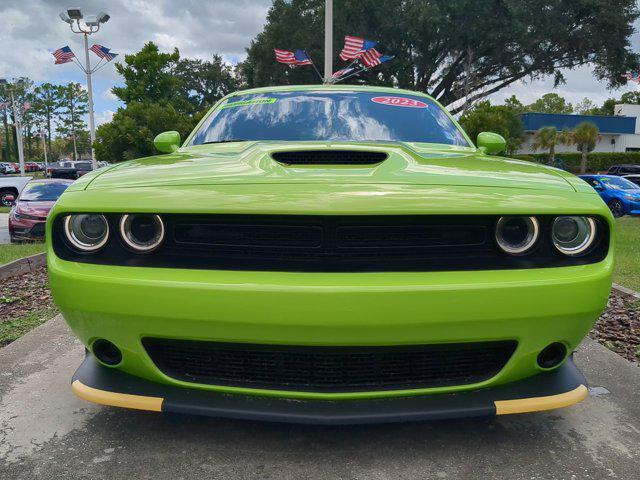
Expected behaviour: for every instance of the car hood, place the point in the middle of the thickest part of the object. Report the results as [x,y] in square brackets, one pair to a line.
[38,209]
[407,163]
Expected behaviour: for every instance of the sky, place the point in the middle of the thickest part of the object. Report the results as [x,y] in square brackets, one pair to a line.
[31,29]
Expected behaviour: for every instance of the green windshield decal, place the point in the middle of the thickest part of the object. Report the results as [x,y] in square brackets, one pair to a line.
[255,101]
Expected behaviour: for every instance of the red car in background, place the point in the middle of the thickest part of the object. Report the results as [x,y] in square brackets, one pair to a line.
[28,217]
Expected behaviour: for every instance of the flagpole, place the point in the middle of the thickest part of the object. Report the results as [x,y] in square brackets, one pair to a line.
[313,65]
[92,128]
[351,75]
[328,40]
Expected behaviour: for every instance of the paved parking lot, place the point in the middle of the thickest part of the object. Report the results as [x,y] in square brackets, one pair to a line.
[4,228]
[45,432]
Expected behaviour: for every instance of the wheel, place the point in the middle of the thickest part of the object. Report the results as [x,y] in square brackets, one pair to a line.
[617,208]
[3,197]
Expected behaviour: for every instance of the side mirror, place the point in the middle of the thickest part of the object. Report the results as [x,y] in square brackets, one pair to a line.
[598,187]
[10,199]
[167,142]
[491,143]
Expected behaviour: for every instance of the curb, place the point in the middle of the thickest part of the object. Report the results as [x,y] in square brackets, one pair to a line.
[626,292]
[22,265]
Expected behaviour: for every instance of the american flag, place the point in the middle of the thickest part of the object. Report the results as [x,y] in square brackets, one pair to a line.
[283,56]
[342,72]
[376,60]
[103,52]
[354,47]
[302,58]
[63,55]
[371,58]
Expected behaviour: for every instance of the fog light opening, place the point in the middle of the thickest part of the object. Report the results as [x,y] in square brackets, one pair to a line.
[552,355]
[106,352]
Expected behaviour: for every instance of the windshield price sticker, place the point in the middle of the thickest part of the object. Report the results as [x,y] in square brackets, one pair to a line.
[399,102]
[254,101]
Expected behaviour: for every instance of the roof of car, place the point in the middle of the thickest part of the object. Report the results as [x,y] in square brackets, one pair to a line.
[51,180]
[328,88]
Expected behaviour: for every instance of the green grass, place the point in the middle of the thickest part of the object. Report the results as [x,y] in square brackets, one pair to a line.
[14,328]
[5,209]
[627,271]
[10,252]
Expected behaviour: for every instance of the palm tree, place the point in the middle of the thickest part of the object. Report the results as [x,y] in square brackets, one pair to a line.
[584,137]
[547,138]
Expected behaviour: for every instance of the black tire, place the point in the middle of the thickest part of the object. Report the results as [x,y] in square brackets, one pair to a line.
[4,193]
[617,208]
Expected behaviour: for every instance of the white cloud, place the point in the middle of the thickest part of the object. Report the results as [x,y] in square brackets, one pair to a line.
[109,95]
[104,117]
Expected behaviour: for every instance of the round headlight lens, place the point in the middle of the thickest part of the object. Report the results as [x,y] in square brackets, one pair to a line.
[573,235]
[517,235]
[87,232]
[142,232]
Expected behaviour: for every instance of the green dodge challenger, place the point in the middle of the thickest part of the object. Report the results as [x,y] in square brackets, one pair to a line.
[330,254]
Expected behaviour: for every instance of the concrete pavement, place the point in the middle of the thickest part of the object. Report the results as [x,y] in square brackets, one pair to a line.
[47,433]
[4,228]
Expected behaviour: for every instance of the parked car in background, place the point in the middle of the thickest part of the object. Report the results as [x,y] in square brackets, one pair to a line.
[633,178]
[10,188]
[620,170]
[621,195]
[7,168]
[28,217]
[69,170]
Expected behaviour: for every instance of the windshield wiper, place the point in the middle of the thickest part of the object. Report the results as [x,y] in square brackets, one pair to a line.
[231,140]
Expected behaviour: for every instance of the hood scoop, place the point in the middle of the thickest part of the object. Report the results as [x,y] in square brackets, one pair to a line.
[329,157]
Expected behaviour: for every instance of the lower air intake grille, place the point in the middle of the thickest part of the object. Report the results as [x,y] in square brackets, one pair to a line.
[328,369]
[329,157]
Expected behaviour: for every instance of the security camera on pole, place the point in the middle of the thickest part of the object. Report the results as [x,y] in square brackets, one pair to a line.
[91,24]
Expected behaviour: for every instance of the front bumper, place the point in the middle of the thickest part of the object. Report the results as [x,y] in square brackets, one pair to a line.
[534,307]
[27,229]
[562,387]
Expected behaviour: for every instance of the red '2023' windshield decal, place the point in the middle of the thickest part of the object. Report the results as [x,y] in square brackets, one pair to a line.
[399,102]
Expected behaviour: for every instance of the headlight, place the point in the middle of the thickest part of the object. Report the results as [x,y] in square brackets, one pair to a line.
[573,235]
[87,232]
[142,232]
[517,235]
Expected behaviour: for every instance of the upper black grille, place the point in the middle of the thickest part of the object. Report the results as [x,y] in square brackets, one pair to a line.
[329,157]
[329,369]
[337,243]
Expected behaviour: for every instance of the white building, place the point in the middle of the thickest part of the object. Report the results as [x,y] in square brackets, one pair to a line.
[618,133]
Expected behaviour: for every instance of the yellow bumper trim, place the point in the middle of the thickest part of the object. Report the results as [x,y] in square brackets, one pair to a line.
[139,402]
[538,404]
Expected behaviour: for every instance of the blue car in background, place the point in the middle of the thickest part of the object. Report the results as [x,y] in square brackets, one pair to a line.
[621,195]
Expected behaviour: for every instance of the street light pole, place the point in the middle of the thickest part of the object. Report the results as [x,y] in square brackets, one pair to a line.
[328,40]
[44,149]
[18,126]
[92,128]
[91,25]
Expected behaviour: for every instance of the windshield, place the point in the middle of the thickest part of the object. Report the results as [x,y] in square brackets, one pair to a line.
[618,183]
[83,165]
[322,116]
[42,192]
